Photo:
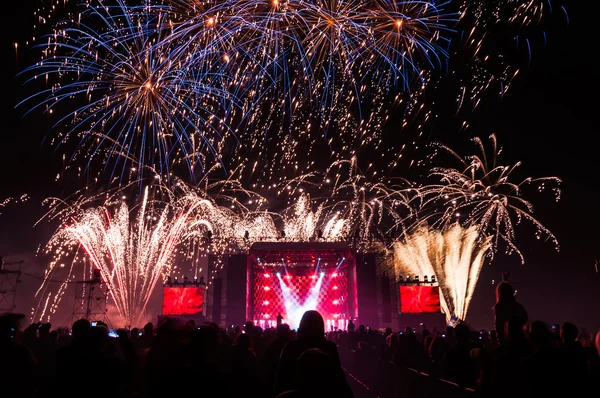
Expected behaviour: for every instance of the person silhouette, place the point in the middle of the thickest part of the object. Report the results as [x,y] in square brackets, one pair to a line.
[351,326]
[311,334]
[507,308]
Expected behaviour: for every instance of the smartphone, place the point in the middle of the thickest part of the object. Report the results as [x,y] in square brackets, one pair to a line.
[421,324]
[112,333]
[555,326]
[140,334]
[94,323]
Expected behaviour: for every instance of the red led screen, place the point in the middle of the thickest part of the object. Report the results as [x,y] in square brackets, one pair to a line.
[418,299]
[182,300]
[292,292]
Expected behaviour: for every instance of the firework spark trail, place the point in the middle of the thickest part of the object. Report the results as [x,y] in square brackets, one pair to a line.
[12,200]
[481,194]
[131,255]
[454,255]
[491,32]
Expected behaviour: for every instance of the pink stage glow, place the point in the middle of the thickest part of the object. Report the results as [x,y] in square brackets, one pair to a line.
[182,300]
[295,290]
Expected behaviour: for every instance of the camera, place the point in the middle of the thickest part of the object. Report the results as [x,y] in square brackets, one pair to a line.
[94,323]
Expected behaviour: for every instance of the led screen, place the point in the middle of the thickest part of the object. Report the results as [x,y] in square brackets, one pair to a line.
[417,299]
[293,291]
[182,300]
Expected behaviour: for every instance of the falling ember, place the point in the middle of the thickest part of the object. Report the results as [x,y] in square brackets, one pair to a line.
[454,255]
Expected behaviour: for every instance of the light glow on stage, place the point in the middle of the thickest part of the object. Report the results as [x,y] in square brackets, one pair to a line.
[294,308]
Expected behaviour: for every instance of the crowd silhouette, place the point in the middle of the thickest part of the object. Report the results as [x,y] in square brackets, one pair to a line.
[517,359]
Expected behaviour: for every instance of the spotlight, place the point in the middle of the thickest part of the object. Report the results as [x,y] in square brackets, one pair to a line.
[322,273]
[278,274]
[425,278]
[432,278]
[400,279]
[408,278]
[416,278]
[169,281]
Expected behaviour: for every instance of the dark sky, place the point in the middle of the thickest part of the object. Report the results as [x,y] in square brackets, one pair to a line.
[547,120]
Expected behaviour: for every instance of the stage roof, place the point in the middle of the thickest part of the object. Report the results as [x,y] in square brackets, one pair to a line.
[300,252]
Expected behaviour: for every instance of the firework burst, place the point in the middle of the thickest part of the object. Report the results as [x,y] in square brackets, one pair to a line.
[480,193]
[139,105]
[162,82]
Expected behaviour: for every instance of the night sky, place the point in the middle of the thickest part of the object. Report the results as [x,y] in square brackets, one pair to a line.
[548,120]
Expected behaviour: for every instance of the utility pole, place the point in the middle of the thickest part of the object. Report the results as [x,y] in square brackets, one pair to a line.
[10,278]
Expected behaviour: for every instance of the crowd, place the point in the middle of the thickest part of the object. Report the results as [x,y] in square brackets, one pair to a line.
[518,358]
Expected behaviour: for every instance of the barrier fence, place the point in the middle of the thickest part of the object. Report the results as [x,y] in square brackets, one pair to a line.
[385,379]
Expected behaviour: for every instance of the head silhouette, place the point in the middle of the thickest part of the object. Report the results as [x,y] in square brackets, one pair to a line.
[283,331]
[568,332]
[242,341]
[148,329]
[312,326]
[80,328]
[505,292]
[539,334]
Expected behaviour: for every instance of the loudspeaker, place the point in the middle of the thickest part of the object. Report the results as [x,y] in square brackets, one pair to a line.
[217,302]
[366,286]
[236,294]
[386,301]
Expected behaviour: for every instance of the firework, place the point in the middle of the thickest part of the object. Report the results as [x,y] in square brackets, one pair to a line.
[12,200]
[132,101]
[492,32]
[163,82]
[480,193]
[132,253]
[454,255]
